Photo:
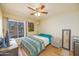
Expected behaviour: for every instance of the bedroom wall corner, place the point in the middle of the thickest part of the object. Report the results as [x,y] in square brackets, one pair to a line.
[69,19]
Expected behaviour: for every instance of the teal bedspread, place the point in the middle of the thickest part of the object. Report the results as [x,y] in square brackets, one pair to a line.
[33,45]
[47,36]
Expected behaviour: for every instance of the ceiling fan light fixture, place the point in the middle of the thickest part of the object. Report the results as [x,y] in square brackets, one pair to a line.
[37,14]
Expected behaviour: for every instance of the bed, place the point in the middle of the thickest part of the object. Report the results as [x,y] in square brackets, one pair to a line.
[44,39]
[32,46]
[50,37]
[35,44]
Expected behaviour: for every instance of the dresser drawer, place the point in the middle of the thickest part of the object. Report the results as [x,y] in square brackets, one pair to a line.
[12,52]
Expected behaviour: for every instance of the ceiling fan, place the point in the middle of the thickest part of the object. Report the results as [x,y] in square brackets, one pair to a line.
[39,10]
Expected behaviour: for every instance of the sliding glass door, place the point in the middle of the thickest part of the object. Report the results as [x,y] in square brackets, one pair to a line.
[20,29]
[16,29]
[12,25]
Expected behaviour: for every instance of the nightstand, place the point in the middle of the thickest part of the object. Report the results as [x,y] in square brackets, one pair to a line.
[10,51]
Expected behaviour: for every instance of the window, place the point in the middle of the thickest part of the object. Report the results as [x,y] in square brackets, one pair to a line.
[12,29]
[16,29]
[20,29]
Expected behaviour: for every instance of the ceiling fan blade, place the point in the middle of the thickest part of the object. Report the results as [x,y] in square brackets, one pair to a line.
[40,7]
[31,8]
[32,13]
[44,12]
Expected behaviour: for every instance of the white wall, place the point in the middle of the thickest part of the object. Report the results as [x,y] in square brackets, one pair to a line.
[17,18]
[1,33]
[54,25]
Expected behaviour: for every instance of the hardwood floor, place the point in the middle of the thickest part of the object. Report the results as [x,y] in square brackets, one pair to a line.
[53,51]
[50,51]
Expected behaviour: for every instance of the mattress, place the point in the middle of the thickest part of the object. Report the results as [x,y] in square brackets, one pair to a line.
[46,40]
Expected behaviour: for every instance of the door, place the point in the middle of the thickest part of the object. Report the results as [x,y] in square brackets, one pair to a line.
[66,36]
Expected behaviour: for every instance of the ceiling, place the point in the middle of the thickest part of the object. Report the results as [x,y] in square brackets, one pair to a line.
[20,9]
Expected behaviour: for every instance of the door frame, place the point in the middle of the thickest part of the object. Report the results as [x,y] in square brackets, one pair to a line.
[69,38]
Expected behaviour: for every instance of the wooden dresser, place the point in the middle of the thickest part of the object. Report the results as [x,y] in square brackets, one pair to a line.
[10,51]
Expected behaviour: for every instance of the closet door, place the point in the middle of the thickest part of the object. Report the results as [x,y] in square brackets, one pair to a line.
[66,36]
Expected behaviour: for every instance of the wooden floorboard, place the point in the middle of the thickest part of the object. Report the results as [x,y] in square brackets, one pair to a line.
[53,51]
[50,51]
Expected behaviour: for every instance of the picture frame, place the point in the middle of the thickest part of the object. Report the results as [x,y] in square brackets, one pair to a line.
[30,26]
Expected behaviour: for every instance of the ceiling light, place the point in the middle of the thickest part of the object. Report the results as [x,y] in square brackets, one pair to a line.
[37,14]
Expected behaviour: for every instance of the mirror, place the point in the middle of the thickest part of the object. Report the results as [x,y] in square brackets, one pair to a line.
[66,36]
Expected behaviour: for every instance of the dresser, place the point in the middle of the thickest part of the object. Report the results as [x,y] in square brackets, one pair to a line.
[76,45]
[12,50]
